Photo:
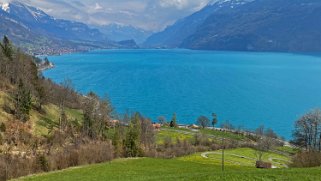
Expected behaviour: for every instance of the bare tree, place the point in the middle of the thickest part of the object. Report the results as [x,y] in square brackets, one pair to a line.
[97,115]
[162,120]
[263,145]
[260,131]
[203,121]
[147,133]
[227,125]
[307,132]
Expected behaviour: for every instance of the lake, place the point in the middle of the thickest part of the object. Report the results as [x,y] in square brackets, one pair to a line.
[247,89]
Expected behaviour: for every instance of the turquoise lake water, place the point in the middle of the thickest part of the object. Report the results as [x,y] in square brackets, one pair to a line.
[248,89]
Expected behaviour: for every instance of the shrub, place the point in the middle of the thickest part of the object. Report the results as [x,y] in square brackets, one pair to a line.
[307,159]
[2,127]
[89,153]
[43,163]
[14,166]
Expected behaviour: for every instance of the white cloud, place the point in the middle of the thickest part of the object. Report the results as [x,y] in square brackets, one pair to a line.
[147,14]
[98,6]
[179,4]
[5,1]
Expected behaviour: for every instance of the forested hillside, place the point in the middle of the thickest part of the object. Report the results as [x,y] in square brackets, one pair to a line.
[39,118]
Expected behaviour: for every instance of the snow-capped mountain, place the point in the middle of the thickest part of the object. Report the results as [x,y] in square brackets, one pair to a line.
[38,21]
[174,35]
[247,25]
[34,30]
[231,3]
[262,25]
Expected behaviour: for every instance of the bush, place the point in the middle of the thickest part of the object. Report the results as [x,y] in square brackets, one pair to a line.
[90,153]
[43,163]
[14,166]
[306,159]
[2,127]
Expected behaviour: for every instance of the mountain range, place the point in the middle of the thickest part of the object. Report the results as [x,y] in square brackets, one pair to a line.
[120,32]
[247,25]
[35,31]
[237,25]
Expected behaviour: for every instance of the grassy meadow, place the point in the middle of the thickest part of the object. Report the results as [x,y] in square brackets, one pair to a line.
[193,167]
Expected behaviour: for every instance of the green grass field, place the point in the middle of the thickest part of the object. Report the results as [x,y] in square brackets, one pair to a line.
[243,157]
[193,167]
[183,134]
[221,134]
[174,169]
[288,150]
[173,133]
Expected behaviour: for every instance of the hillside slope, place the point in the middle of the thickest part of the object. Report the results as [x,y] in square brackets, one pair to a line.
[38,119]
[36,32]
[174,35]
[287,25]
[254,25]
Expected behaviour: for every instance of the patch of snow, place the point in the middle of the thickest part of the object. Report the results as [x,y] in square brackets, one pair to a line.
[35,13]
[5,7]
[230,3]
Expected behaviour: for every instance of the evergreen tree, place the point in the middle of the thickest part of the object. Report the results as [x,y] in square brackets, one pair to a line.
[2,127]
[6,48]
[23,102]
[173,123]
[214,120]
[117,141]
[132,142]
[6,63]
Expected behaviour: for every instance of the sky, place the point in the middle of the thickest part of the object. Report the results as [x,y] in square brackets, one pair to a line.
[147,14]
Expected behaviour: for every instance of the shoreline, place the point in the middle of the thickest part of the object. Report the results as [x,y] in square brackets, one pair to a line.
[314,54]
[47,67]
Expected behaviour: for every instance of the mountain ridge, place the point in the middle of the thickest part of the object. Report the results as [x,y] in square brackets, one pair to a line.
[258,25]
[119,32]
[173,35]
[36,32]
